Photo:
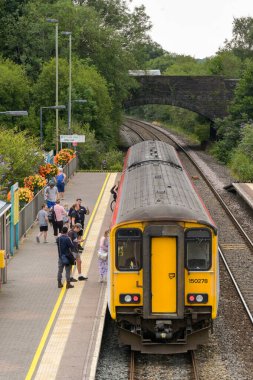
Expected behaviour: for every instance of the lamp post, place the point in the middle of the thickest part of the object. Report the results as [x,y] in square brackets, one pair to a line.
[57,108]
[56,22]
[14,113]
[70,78]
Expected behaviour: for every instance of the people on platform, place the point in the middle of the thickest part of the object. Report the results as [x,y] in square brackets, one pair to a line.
[77,213]
[42,218]
[51,194]
[103,255]
[59,212]
[65,246]
[60,182]
[76,236]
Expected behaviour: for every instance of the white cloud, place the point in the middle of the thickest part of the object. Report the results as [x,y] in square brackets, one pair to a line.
[196,27]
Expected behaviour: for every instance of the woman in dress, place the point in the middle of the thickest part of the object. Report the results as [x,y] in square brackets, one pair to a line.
[103,259]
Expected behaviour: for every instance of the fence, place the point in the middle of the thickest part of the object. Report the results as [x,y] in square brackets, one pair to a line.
[28,214]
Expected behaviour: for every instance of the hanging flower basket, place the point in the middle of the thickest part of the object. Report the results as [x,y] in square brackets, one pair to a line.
[48,171]
[25,196]
[62,158]
[35,183]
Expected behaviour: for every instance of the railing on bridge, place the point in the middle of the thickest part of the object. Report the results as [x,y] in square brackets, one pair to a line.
[29,213]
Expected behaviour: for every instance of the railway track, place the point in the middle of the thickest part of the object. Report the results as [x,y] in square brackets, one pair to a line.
[176,366]
[233,238]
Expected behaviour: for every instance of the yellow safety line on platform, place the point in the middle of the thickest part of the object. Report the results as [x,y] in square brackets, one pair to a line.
[61,295]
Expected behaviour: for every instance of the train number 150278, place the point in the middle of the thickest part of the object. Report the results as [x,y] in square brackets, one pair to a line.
[198,280]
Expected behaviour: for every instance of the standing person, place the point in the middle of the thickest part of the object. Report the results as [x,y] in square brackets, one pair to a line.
[64,244]
[60,183]
[75,235]
[103,255]
[77,213]
[51,194]
[42,217]
[59,212]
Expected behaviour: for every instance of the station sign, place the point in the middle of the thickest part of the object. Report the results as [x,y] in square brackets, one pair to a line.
[72,138]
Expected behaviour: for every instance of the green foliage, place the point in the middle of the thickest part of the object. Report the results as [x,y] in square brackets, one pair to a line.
[228,134]
[242,40]
[87,84]
[242,166]
[20,155]
[14,87]
[225,63]
[114,160]
[243,100]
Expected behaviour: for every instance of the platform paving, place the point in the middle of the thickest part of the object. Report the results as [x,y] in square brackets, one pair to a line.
[28,298]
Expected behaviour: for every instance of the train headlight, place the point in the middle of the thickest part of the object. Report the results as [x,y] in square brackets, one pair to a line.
[197,298]
[129,298]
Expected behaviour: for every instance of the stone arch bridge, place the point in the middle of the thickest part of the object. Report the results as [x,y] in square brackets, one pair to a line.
[208,96]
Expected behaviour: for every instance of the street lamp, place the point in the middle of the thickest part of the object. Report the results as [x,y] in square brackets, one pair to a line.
[56,22]
[57,108]
[70,70]
[14,113]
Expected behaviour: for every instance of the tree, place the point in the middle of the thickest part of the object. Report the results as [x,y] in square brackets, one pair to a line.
[14,87]
[242,41]
[87,84]
[225,63]
[20,156]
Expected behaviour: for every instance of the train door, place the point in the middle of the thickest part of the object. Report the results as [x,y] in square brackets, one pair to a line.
[163,271]
[164,274]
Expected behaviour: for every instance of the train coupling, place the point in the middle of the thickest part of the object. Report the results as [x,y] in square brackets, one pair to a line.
[163,329]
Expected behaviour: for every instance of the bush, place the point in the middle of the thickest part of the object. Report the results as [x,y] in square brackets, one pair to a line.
[242,166]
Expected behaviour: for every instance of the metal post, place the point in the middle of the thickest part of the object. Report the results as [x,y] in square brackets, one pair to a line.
[41,127]
[70,84]
[56,89]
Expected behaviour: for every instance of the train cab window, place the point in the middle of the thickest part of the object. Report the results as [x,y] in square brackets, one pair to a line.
[129,249]
[198,249]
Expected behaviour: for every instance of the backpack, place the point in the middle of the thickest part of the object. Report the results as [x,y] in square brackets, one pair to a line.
[51,216]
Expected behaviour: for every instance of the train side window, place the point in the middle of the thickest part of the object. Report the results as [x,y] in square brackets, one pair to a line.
[129,249]
[198,249]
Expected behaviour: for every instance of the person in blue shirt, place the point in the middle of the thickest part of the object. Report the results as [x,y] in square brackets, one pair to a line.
[60,183]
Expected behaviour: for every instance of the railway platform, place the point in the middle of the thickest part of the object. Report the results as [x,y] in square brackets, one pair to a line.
[46,332]
[245,190]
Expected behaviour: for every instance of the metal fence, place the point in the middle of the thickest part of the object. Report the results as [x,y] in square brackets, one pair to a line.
[28,214]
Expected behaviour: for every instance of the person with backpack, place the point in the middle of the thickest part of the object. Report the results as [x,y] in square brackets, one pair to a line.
[66,259]
[60,183]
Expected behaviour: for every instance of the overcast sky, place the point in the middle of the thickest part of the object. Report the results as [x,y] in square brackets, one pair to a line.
[193,27]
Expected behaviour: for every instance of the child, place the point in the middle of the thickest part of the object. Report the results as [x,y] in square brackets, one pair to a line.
[42,217]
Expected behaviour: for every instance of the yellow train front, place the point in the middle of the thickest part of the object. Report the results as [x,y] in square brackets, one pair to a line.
[163,283]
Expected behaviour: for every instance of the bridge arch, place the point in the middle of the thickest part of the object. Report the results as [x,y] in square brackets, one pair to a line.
[208,96]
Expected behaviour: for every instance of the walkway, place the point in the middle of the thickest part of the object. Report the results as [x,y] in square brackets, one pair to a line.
[29,297]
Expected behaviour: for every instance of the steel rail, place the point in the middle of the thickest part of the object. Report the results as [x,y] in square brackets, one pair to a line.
[194,365]
[236,286]
[132,366]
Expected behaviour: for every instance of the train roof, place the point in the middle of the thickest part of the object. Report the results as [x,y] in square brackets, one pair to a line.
[155,187]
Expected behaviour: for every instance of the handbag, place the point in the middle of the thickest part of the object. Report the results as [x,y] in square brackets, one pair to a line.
[102,255]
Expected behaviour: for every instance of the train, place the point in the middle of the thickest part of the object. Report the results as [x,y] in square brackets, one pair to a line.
[163,270]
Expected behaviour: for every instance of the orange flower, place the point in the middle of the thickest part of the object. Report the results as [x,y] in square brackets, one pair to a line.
[35,182]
